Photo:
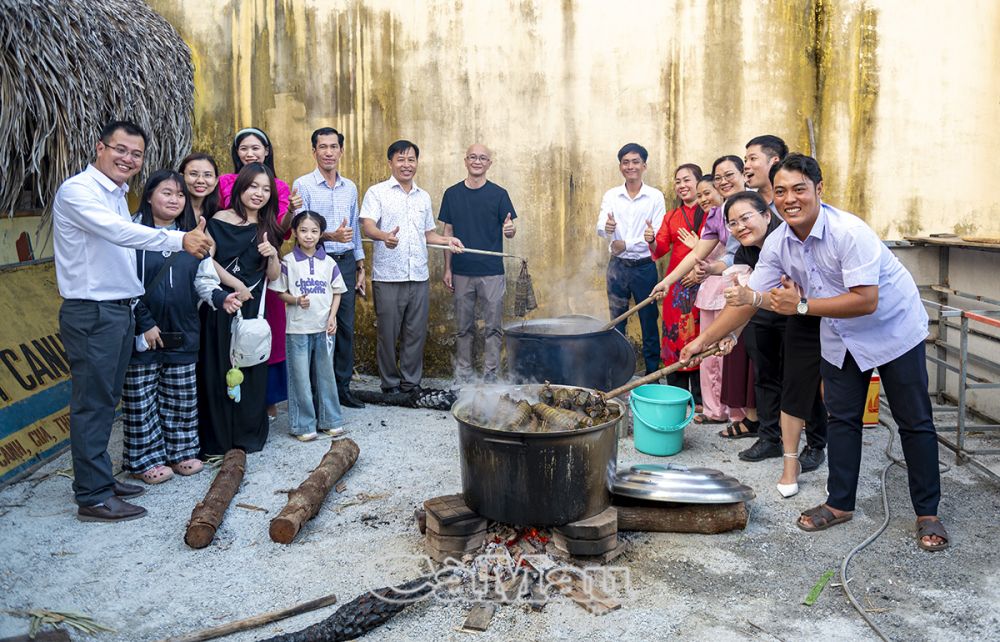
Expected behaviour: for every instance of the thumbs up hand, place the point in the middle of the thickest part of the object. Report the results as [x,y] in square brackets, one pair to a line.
[391,240]
[736,294]
[343,233]
[609,227]
[295,201]
[649,234]
[508,227]
[197,242]
[265,248]
[785,300]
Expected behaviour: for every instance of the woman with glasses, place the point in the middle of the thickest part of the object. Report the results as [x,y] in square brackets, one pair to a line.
[737,373]
[201,176]
[779,381]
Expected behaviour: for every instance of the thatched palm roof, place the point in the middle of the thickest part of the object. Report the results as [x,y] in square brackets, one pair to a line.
[67,68]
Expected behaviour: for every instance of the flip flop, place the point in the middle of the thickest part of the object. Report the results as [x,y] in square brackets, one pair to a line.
[705,419]
[187,467]
[154,475]
[822,519]
[740,429]
[931,526]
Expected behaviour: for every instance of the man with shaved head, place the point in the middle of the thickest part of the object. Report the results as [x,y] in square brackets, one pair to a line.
[480,213]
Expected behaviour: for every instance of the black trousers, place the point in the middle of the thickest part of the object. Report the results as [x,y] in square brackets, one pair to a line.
[904,380]
[627,281]
[689,380]
[765,339]
[343,350]
[98,337]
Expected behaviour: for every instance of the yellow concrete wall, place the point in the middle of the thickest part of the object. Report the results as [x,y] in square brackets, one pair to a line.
[902,97]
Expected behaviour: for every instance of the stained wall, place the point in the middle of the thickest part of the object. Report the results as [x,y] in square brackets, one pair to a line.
[901,99]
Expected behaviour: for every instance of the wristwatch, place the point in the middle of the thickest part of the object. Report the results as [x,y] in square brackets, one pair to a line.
[803,306]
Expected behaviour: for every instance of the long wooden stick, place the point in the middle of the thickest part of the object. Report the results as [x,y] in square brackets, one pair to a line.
[468,250]
[471,250]
[621,317]
[255,621]
[655,376]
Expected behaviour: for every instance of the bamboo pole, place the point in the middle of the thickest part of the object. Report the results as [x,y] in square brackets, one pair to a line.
[255,621]
[655,376]
[621,317]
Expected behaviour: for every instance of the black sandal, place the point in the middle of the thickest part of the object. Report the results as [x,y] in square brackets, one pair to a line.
[740,429]
[931,526]
[822,518]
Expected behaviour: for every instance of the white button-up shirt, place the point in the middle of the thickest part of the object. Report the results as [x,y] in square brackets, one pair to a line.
[389,206]
[842,252]
[631,216]
[94,238]
[335,203]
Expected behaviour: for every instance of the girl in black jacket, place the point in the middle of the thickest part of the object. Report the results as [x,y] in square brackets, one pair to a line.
[159,401]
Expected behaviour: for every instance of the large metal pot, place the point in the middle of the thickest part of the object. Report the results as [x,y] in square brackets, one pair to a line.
[571,350]
[535,479]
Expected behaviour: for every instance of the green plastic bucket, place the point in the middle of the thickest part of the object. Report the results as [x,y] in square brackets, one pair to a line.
[660,414]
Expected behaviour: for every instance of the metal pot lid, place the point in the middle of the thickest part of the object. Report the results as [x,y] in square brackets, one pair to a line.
[680,484]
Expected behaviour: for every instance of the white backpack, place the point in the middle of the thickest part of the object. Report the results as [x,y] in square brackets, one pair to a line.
[251,338]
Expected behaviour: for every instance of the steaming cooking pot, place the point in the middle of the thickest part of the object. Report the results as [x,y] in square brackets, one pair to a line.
[534,479]
[573,350]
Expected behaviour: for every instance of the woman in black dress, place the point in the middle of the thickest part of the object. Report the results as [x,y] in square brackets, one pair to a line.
[246,246]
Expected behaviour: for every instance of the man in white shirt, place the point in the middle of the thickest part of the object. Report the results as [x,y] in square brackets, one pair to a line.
[397,215]
[94,240]
[626,211]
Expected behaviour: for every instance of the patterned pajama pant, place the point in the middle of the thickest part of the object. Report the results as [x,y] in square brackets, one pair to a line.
[160,409]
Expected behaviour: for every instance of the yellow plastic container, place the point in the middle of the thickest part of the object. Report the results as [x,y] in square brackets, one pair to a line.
[870,418]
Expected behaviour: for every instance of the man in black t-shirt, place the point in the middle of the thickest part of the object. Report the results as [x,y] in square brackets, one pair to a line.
[480,213]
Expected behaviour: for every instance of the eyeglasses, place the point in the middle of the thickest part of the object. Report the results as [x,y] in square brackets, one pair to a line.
[194,175]
[743,220]
[727,176]
[121,150]
[472,158]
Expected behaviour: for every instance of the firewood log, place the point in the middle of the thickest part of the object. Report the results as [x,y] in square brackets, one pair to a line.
[709,519]
[305,501]
[207,515]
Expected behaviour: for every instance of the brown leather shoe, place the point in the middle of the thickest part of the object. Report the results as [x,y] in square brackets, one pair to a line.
[128,490]
[112,510]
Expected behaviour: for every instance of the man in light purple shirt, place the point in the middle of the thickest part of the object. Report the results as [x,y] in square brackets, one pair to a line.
[828,263]
[94,240]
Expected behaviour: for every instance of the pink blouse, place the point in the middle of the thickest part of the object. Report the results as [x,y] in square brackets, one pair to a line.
[274,311]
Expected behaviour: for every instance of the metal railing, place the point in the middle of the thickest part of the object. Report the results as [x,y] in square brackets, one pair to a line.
[950,357]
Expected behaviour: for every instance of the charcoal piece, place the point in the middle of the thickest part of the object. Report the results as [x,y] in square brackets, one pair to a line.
[362,614]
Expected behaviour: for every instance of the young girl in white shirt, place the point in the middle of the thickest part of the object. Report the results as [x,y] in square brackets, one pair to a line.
[310,285]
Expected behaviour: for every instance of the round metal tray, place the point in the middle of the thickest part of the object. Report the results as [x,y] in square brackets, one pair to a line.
[680,484]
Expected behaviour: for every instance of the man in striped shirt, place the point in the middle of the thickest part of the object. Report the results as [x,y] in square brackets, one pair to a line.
[335,198]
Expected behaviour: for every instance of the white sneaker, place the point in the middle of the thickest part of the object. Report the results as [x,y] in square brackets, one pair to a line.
[334,432]
[309,436]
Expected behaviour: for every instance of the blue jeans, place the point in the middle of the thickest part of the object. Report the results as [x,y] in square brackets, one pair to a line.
[302,353]
[635,280]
